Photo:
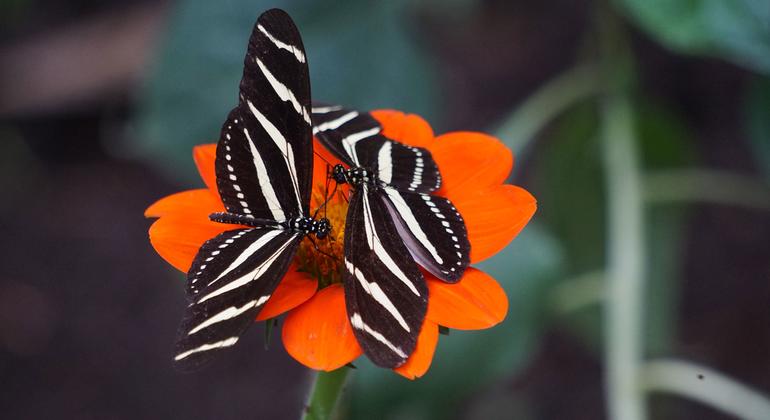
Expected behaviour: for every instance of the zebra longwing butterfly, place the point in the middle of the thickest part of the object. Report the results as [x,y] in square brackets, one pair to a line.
[392,221]
[264,165]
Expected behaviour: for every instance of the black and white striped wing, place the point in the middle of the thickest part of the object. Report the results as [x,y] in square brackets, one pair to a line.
[356,139]
[385,293]
[230,280]
[270,129]
[433,230]
[248,182]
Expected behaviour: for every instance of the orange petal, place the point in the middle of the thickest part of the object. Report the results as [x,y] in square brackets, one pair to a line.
[493,216]
[177,238]
[419,362]
[469,160]
[475,302]
[409,129]
[295,289]
[318,333]
[192,202]
[205,155]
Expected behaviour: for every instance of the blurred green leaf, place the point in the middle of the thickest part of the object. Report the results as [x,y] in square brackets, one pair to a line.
[359,54]
[758,123]
[735,30]
[570,191]
[468,360]
[665,142]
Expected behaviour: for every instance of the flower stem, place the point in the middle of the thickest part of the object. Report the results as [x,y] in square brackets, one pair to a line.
[324,394]
[688,185]
[625,254]
[705,385]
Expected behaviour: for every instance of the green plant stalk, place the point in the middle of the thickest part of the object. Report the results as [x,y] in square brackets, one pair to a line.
[705,385]
[625,266]
[324,394]
[577,293]
[687,185]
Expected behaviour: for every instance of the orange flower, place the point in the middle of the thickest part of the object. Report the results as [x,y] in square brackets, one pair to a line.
[316,330]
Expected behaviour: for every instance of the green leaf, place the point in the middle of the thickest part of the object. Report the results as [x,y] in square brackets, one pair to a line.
[735,30]
[665,142]
[468,360]
[362,58]
[758,123]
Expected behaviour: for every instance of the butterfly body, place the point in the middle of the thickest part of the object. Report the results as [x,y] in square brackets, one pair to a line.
[303,224]
[355,176]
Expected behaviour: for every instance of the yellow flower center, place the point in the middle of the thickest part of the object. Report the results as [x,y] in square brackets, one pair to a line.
[323,258]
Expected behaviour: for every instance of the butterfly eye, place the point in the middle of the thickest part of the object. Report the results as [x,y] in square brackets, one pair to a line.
[323,228]
[338,173]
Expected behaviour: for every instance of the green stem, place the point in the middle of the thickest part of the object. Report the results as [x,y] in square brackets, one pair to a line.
[546,103]
[684,185]
[626,255]
[325,394]
[705,385]
[579,292]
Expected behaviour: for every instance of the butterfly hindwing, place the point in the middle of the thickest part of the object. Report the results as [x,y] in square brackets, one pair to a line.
[405,168]
[433,230]
[231,279]
[274,109]
[385,292]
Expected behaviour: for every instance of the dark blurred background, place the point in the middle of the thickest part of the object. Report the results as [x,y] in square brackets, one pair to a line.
[101,102]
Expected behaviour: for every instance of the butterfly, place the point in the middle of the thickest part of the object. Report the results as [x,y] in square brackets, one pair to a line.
[392,222]
[264,165]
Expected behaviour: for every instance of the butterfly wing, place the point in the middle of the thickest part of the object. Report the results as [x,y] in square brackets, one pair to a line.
[385,293]
[270,129]
[231,278]
[433,230]
[356,139]
[263,166]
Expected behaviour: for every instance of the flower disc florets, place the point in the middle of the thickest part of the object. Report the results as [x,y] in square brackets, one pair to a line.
[322,256]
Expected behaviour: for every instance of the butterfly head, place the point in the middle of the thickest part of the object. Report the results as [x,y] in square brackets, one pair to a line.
[322,228]
[339,174]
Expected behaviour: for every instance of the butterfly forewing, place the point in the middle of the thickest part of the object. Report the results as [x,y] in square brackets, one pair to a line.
[385,293]
[243,177]
[231,279]
[274,108]
[433,230]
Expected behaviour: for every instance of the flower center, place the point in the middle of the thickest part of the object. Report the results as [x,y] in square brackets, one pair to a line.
[323,258]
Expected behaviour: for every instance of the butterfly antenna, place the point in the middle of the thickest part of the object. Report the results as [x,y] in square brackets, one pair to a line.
[322,158]
[319,250]
[326,200]
[326,188]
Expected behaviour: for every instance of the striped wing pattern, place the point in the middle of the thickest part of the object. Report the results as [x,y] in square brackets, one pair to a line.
[263,167]
[385,293]
[356,139]
[433,230]
[232,277]
[274,110]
